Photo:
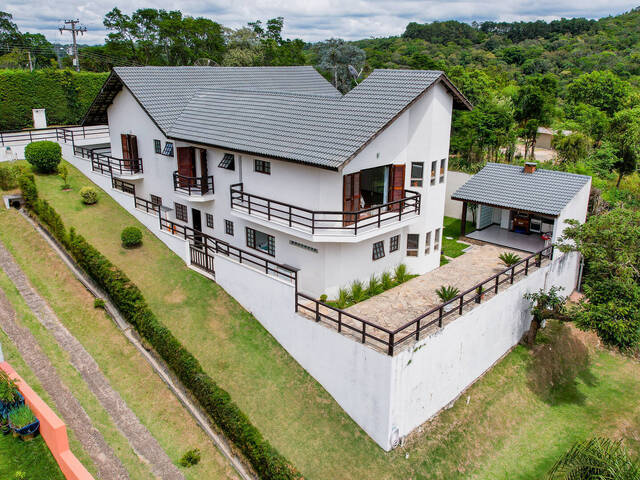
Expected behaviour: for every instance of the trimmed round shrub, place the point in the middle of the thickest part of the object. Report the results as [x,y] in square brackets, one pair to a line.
[44,156]
[89,195]
[131,237]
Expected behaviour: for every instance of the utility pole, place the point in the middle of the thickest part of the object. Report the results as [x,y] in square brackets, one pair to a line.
[74,30]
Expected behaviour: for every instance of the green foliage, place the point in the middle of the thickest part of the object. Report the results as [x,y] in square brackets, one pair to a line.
[596,458]
[374,286]
[601,89]
[334,57]
[401,273]
[264,458]
[624,134]
[386,281]
[447,292]
[63,173]
[8,389]
[27,184]
[343,298]
[131,237]
[573,147]
[89,195]
[21,416]
[65,95]
[9,176]
[190,458]
[98,303]
[602,160]
[357,292]
[509,258]
[44,156]
[323,298]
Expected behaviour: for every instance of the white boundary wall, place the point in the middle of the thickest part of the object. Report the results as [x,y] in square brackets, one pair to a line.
[453,208]
[387,396]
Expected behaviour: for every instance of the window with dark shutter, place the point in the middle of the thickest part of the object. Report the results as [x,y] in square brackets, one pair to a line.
[228,227]
[378,250]
[228,162]
[168,149]
[209,218]
[157,146]
[262,166]
[394,243]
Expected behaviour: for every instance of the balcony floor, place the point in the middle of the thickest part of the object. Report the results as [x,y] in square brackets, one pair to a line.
[501,236]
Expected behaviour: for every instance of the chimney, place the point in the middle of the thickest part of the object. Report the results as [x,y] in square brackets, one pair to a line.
[530,167]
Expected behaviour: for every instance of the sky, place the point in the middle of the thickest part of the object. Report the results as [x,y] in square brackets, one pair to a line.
[311,20]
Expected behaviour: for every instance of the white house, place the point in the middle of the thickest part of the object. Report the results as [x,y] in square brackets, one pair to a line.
[275,160]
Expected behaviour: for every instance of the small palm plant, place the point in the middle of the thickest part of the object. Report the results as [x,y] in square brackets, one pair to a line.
[373,287]
[357,291]
[343,298]
[447,292]
[401,273]
[386,280]
[596,458]
[8,389]
[509,258]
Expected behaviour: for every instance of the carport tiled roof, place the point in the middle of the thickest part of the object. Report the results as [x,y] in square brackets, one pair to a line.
[291,113]
[502,185]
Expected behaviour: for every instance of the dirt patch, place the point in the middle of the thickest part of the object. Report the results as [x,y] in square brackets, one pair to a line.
[175,297]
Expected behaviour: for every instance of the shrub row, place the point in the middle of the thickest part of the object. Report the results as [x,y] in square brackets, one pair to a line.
[266,460]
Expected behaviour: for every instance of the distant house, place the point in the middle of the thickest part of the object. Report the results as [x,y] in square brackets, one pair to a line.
[544,137]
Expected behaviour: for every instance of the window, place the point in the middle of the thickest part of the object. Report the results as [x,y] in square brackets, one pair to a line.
[434,166]
[157,146]
[378,250]
[209,218]
[168,149]
[262,166]
[156,200]
[228,162]
[261,241]
[427,243]
[417,174]
[394,243]
[412,244]
[443,167]
[181,212]
[303,246]
[436,239]
[228,227]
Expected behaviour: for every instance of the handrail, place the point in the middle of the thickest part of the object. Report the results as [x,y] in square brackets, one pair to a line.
[413,328]
[67,133]
[192,185]
[315,220]
[106,164]
[146,205]
[211,245]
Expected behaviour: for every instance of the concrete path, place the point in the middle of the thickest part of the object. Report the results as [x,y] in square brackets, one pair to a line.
[142,442]
[108,465]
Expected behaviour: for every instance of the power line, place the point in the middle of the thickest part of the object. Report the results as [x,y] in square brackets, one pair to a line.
[74,31]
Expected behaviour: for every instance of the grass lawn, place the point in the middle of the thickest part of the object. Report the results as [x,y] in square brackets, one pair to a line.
[127,371]
[32,458]
[452,227]
[507,430]
[450,246]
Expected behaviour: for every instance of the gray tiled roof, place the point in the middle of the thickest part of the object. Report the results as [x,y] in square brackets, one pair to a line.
[544,191]
[164,91]
[309,129]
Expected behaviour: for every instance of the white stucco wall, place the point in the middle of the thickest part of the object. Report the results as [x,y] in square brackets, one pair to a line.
[453,208]
[576,209]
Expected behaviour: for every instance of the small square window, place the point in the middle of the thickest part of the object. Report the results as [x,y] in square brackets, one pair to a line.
[262,166]
[436,239]
[228,227]
[394,243]
[427,243]
[434,167]
[181,212]
[157,146]
[417,174]
[156,200]
[443,168]
[209,218]
[261,241]
[168,149]
[378,250]
[228,162]
[412,244]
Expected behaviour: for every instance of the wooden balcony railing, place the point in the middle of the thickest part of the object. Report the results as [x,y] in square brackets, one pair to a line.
[381,337]
[325,221]
[192,185]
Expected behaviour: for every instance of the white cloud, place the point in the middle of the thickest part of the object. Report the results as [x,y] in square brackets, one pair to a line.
[310,20]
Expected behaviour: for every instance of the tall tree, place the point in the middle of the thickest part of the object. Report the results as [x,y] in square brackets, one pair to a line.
[624,134]
[335,56]
[534,103]
[602,89]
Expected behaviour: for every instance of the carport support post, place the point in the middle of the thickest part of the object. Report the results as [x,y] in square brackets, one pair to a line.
[463,220]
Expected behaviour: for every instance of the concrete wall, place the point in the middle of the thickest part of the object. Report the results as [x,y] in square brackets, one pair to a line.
[453,208]
[52,429]
[576,209]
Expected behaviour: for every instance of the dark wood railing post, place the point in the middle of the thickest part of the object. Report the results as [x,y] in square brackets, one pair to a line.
[317,311]
[418,329]
[313,222]
[379,215]
[268,209]
[290,219]
[249,204]
[364,334]
[440,317]
[339,321]
[539,259]
[391,342]
[513,273]
[461,305]
[526,267]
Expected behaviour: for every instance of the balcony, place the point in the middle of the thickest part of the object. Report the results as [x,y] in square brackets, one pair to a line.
[328,226]
[198,189]
[108,165]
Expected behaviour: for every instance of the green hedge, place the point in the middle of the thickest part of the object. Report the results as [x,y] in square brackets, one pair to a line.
[130,302]
[65,94]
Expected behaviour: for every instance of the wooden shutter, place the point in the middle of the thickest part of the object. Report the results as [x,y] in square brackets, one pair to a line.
[351,196]
[204,173]
[125,146]
[186,165]
[396,185]
[133,146]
